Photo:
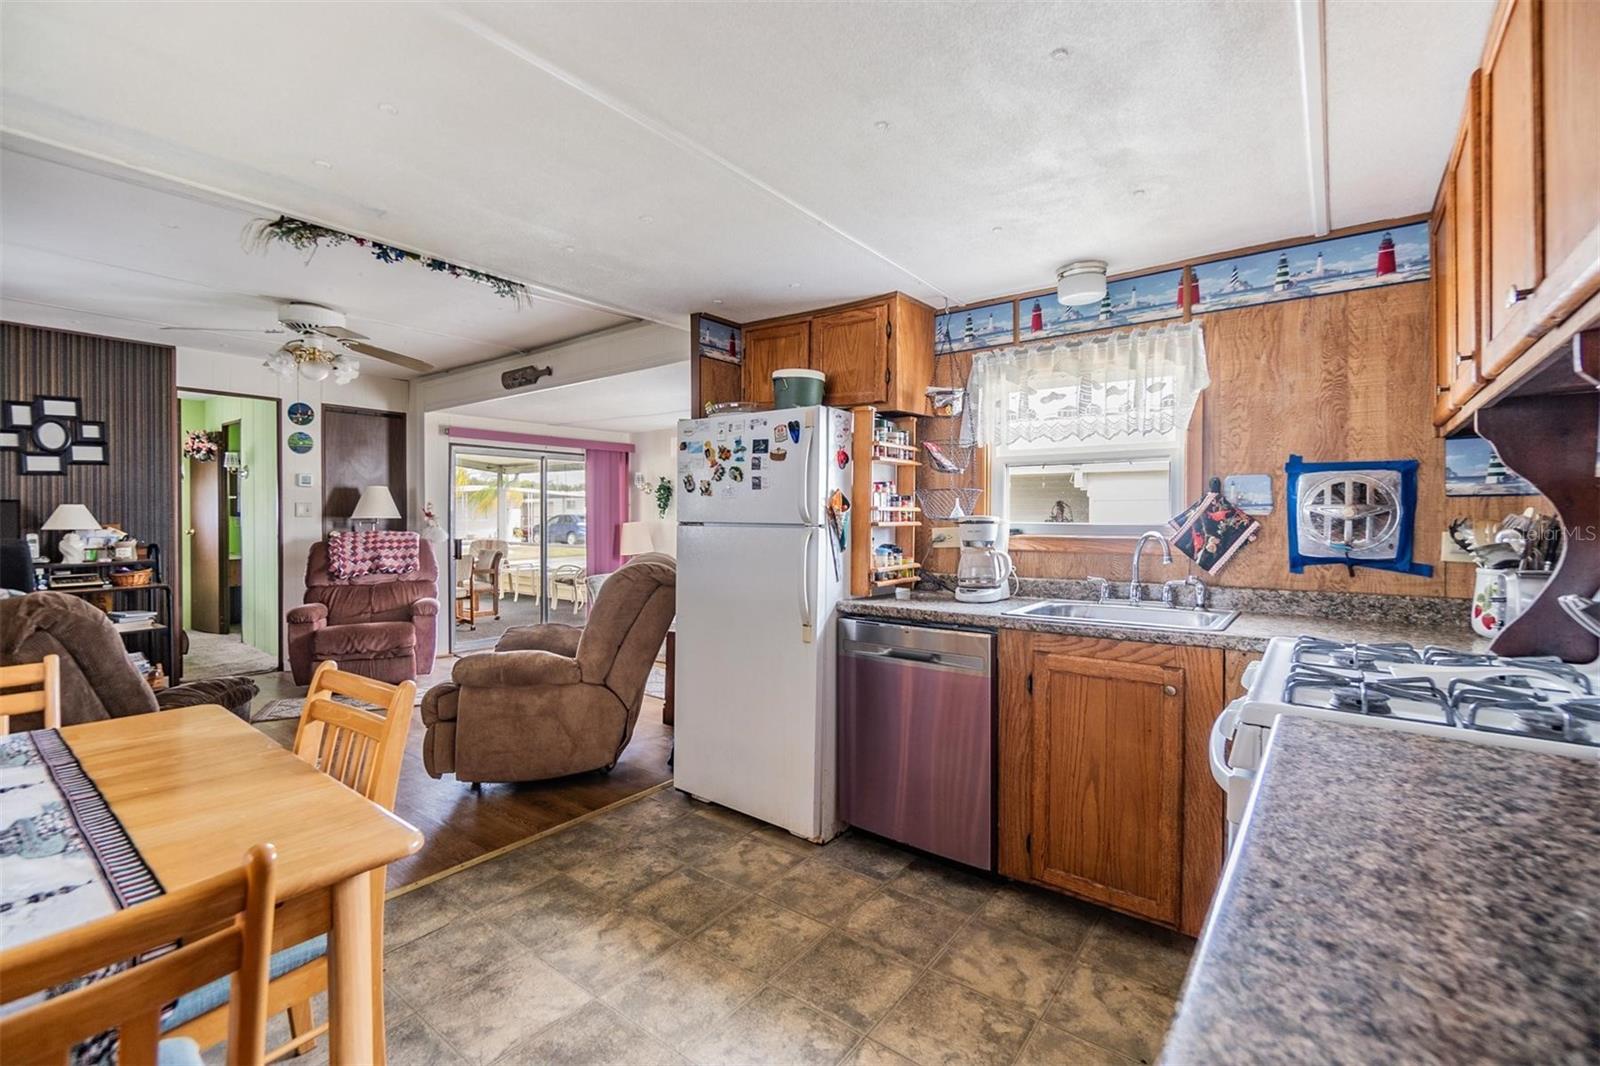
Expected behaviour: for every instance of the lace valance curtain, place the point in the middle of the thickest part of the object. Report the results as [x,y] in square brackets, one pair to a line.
[1122,386]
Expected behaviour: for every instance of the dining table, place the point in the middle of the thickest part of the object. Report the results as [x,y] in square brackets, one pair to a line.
[194,788]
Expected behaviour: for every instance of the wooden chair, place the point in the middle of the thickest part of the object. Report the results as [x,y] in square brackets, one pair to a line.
[362,750]
[41,685]
[130,1001]
[482,579]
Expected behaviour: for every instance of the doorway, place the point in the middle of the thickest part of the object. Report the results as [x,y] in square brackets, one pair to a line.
[229,555]
[519,542]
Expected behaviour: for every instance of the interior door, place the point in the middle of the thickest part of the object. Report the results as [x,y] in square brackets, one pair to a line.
[208,547]
[852,348]
[784,346]
[1107,780]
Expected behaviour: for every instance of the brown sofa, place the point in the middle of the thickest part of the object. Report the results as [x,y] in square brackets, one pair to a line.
[552,700]
[97,680]
[378,625]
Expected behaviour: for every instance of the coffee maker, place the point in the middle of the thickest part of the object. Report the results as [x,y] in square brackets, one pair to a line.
[983,572]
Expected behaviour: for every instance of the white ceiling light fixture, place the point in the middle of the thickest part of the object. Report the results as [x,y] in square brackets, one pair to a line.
[314,362]
[1082,281]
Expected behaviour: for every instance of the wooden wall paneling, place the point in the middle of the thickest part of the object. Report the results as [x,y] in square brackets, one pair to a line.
[1204,806]
[1014,799]
[131,387]
[360,447]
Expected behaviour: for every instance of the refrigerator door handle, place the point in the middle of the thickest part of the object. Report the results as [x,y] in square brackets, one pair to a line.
[809,497]
[806,621]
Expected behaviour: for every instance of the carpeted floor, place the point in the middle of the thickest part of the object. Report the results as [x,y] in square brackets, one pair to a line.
[224,655]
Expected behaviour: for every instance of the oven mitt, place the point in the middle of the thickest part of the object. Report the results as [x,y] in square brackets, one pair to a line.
[1211,531]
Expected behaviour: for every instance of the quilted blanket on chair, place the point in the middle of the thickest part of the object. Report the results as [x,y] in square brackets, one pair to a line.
[378,551]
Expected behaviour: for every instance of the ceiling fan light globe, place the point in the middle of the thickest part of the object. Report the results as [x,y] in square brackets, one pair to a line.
[281,363]
[315,370]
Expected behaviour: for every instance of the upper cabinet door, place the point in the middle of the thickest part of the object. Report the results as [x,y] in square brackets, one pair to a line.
[852,348]
[1441,253]
[1466,375]
[782,346]
[1513,223]
[1570,107]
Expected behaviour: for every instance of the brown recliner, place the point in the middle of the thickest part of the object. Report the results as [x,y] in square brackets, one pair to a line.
[97,680]
[553,700]
[378,625]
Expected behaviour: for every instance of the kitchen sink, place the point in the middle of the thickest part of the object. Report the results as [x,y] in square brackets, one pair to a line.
[1141,616]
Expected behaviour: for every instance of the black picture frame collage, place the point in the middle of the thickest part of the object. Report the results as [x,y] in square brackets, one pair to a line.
[49,434]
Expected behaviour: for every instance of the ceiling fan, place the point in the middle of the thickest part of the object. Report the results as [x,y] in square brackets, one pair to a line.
[322,346]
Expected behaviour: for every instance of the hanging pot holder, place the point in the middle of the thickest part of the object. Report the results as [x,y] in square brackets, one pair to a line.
[1212,531]
[1353,514]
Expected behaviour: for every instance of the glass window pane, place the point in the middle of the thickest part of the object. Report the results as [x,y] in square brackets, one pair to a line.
[1126,492]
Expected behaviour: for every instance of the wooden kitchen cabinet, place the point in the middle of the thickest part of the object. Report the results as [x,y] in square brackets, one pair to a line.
[877,351]
[1512,222]
[852,348]
[1105,792]
[780,346]
[1455,253]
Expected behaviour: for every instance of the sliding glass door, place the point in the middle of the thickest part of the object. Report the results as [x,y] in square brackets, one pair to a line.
[518,541]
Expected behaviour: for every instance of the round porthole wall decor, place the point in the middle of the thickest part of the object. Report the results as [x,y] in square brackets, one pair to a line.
[301,414]
[300,442]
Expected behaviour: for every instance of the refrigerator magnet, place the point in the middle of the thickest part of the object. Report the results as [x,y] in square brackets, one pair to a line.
[779,455]
[794,431]
[688,483]
[842,457]
[759,446]
[755,462]
[755,484]
[705,488]
[737,473]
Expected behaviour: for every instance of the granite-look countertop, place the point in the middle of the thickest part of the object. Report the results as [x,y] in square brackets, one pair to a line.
[1348,619]
[1401,898]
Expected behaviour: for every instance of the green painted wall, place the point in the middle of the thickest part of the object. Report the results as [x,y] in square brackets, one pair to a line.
[253,536]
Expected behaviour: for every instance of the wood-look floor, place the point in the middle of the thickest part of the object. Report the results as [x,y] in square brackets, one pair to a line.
[461,824]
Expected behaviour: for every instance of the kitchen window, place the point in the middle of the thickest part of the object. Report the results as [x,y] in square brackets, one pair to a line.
[1087,437]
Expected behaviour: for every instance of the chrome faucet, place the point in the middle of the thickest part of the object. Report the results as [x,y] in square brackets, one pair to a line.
[1135,592]
[1169,591]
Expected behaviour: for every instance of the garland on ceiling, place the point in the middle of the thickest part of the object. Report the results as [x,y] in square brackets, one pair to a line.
[308,237]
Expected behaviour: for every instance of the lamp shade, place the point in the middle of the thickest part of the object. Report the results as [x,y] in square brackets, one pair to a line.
[71,516]
[635,539]
[375,502]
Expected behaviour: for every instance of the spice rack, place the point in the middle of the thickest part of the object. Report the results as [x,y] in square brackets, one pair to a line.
[886,515]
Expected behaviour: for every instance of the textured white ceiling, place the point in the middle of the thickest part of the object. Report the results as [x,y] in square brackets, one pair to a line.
[689,153]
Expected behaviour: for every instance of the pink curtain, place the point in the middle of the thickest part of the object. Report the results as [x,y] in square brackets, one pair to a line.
[606,495]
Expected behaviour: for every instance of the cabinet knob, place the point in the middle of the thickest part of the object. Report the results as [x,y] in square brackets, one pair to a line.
[1170,690]
[1515,295]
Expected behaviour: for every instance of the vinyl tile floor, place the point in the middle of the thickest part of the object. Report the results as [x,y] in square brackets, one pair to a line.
[664,930]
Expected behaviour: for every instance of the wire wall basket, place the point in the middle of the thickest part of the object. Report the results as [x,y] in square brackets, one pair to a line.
[942,505]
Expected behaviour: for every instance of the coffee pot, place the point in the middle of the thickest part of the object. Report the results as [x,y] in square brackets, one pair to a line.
[984,570]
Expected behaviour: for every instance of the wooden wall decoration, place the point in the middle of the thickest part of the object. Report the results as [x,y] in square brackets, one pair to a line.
[126,392]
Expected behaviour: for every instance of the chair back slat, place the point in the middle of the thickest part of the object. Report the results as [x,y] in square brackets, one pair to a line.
[131,1000]
[42,684]
[360,749]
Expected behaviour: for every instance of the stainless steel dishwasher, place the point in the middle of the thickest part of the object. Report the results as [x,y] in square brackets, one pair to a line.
[916,736]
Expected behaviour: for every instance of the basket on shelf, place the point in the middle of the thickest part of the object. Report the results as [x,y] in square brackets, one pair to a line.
[128,579]
[941,505]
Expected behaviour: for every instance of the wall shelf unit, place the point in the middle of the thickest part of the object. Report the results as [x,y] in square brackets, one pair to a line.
[884,512]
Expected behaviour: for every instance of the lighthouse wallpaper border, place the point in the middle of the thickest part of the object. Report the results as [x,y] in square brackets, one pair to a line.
[967,329]
[1385,256]
[1128,301]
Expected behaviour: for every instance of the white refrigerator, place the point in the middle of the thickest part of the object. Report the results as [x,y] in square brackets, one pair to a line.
[761,570]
